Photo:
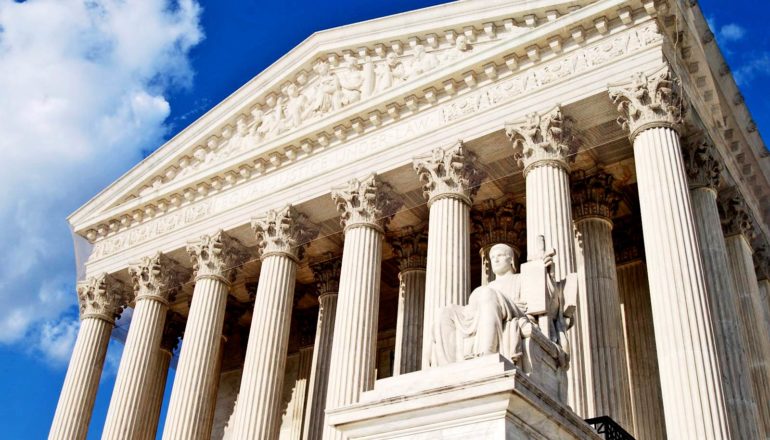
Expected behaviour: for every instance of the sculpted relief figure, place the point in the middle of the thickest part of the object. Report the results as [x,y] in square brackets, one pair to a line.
[328,92]
[297,107]
[458,50]
[502,316]
[422,62]
[390,73]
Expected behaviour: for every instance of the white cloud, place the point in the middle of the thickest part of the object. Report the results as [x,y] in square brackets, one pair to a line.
[757,65]
[731,32]
[84,88]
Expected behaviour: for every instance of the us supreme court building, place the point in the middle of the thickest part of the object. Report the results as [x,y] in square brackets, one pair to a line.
[481,220]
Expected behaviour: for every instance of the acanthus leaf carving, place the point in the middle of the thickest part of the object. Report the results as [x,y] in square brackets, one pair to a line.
[546,138]
[102,296]
[701,162]
[285,231]
[369,202]
[594,195]
[495,223]
[158,277]
[327,275]
[410,245]
[649,100]
[451,172]
[734,214]
[217,256]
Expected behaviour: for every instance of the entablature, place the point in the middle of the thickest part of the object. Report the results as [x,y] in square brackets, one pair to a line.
[509,47]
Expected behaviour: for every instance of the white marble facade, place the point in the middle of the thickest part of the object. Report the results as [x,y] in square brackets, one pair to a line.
[312,238]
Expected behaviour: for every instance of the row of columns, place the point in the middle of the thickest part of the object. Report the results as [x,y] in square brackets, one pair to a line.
[694,323]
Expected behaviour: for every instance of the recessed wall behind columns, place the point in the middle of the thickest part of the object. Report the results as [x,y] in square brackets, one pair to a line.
[466,116]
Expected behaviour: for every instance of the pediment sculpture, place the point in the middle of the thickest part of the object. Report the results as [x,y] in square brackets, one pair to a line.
[522,316]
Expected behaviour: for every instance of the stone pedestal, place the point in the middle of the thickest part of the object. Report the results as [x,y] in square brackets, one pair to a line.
[486,397]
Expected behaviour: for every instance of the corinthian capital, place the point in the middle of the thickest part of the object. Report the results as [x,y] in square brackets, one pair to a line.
[451,172]
[701,161]
[284,232]
[735,215]
[411,248]
[543,139]
[594,196]
[217,256]
[103,297]
[158,277]
[327,275]
[172,331]
[368,202]
[495,223]
[649,101]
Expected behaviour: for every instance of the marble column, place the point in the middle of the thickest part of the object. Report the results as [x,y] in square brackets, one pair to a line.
[282,235]
[410,246]
[703,171]
[101,300]
[365,207]
[495,223]
[651,109]
[544,146]
[216,259]
[161,363]
[762,266]
[738,232]
[156,280]
[450,177]
[642,358]
[594,204]
[299,400]
[327,276]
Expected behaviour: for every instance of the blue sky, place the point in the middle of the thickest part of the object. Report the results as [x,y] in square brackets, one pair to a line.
[89,88]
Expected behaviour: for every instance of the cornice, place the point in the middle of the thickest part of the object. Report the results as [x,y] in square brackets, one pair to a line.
[497,60]
[716,100]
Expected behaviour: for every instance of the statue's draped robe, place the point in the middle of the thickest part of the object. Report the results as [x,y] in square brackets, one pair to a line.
[490,323]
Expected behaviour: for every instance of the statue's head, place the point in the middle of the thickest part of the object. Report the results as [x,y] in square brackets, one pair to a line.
[501,258]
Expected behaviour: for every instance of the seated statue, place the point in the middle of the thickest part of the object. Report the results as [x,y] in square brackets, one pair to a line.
[501,316]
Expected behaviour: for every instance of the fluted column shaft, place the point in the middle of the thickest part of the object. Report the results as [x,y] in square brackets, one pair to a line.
[607,358]
[352,365]
[126,417]
[319,374]
[750,312]
[76,401]
[259,399]
[685,340]
[409,332]
[743,418]
[644,375]
[191,408]
[157,388]
[447,274]
[300,393]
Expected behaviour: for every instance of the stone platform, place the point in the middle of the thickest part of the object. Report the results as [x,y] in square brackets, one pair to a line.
[483,398]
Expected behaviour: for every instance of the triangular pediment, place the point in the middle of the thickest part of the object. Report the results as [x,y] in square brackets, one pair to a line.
[335,85]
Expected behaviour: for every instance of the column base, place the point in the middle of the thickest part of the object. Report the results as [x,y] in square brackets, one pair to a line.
[487,397]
